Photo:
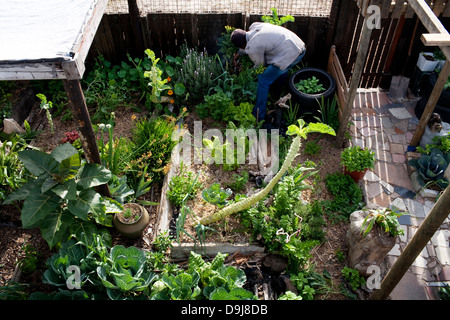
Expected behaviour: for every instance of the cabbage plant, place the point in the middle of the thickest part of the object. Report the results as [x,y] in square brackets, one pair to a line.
[431,167]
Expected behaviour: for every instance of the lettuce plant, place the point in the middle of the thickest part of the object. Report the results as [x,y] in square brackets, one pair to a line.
[63,193]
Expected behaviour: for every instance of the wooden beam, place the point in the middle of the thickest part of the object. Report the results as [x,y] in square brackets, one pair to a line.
[430,21]
[427,229]
[355,80]
[80,112]
[431,104]
[435,39]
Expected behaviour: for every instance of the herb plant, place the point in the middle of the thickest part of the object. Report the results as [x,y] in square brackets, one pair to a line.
[275,19]
[355,158]
[310,86]
[177,192]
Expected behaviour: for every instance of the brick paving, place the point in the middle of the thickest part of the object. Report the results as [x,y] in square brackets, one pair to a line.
[387,127]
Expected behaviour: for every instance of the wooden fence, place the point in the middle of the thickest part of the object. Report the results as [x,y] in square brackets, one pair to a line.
[394,47]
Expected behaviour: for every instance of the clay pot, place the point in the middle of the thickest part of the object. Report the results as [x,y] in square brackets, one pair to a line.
[355,175]
[132,228]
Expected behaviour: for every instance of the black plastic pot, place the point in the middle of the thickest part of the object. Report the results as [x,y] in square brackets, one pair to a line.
[309,104]
[443,103]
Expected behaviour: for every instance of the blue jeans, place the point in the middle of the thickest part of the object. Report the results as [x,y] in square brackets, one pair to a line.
[265,79]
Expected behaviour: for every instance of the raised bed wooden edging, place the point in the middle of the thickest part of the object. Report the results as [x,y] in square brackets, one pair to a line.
[165,212]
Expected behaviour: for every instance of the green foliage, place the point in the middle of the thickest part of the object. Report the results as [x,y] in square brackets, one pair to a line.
[387,219]
[46,105]
[177,193]
[198,72]
[239,181]
[204,280]
[12,290]
[30,262]
[312,148]
[63,192]
[127,270]
[216,195]
[440,142]
[226,154]
[310,283]
[355,158]
[104,90]
[431,167]
[13,173]
[275,19]
[347,196]
[329,111]
[310,86]
[152,147]
[214,105]
[353,277]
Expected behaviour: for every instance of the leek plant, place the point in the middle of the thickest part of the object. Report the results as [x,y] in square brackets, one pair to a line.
[300,131]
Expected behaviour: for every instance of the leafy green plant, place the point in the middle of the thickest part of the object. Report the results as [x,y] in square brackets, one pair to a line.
[386,218]
[63,192]
[431,167]
[46,105]
[152,147]
[329,111]
[347,196]
[353,277]
[30,262]
[355,158]
[13,173]
[239,181]
[126,273]
[310,86]
[216,195]
[440,142]
[177,193]
[203,280]
[215,105]
[275,19]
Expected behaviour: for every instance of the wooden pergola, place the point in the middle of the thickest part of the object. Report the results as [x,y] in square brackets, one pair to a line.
[437,36]
[69,67]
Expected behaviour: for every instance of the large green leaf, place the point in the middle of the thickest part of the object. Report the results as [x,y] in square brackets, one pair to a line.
[38,162]
[67,190]
[54,226]
[88,201]
[92,175]
[63,152]
[38,206]
[23,192]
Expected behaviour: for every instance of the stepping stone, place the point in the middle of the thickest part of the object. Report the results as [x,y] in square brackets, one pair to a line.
[400,113]
[396,175]
[404,193]
[398,205]
[415,208]
[405,220]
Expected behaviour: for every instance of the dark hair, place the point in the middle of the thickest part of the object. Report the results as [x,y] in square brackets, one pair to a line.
[239,39]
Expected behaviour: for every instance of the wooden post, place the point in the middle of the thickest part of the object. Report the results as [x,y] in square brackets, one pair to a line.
[429,226]
[431,104]
[135,21]
[354,82]
[80,112]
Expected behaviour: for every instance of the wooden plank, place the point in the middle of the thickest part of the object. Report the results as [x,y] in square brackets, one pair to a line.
[385,9]
[446,12]
[430,21]
[435,39]
[438,7]
[398,9]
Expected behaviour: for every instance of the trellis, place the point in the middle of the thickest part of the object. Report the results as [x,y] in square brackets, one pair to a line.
[437,36]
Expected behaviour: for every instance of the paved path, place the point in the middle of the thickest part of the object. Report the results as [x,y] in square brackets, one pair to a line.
[386,127]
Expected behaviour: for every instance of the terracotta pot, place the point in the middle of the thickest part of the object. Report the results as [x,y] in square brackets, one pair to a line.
[132,229]
[355,175]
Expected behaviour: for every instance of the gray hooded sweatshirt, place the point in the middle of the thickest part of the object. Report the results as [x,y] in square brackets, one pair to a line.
[271,44]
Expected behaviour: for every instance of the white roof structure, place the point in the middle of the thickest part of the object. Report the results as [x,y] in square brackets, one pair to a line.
[47,39]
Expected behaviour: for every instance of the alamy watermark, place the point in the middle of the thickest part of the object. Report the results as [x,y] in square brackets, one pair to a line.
[231,147]
[374,17]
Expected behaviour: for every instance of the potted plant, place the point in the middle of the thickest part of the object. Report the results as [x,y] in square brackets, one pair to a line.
[132,221]
[309,87]
[357,161]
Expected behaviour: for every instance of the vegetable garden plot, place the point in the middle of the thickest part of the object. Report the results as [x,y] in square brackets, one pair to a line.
[215,186]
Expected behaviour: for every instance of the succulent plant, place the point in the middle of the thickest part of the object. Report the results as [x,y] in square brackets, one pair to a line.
[431,167]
